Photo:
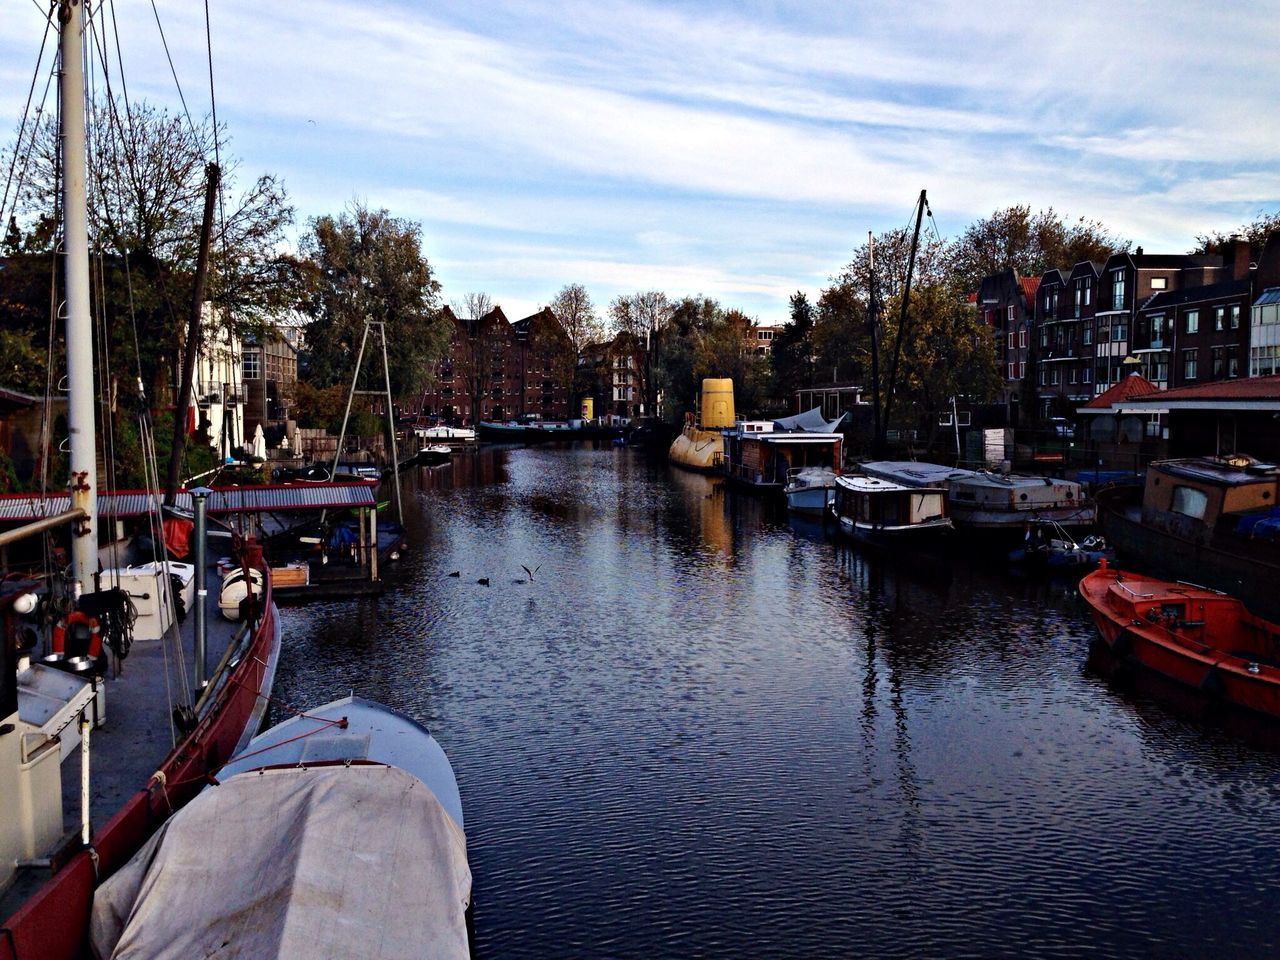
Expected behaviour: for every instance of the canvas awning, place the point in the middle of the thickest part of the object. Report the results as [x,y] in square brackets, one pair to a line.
[811,421]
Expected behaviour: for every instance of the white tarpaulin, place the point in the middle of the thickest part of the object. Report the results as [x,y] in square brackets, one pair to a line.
[319,862]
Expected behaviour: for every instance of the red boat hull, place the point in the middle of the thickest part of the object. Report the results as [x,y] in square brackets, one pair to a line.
[54,922]
[1195,636]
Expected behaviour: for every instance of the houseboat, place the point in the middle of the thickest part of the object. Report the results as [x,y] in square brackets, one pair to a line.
[881,513]
[762,454]
[1211,520]
[1193,635]
[811,491]
[996,503]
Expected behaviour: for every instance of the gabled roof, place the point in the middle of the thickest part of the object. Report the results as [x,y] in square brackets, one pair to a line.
[1029,287]
[1134,385]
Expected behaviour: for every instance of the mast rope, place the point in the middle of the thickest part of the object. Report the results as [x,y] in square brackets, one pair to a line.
[35,125]
[173,70]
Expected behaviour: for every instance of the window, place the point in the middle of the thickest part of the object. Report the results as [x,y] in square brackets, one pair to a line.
[1235,316]
[1083,295]
[1043,374]
[1157,330]
[1189,358]
[252,362]
[1086,335]
[1189,501]
[1233,361]
[1192,320]
[1086,375]
[1011,315]
[1022,370]
[1022,338]
[1073,375]
[1219,318]
[1104,330]
[1117,289]
[1010,371]
[1044,336]
[1159,283]
[1119,329]
[1160,369]
[1010,339]
[1218,362]
[1055,376]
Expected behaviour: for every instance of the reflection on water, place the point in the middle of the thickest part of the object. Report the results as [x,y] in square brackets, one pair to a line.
[706,730]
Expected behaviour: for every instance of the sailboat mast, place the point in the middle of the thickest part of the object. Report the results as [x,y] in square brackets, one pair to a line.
[75,241]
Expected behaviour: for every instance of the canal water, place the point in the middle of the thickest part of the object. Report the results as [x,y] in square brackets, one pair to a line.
[703,730]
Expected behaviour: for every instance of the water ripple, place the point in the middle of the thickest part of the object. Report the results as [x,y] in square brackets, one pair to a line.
[705,732]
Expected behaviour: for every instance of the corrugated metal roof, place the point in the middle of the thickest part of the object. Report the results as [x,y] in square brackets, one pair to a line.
[1269,295]
[24,507]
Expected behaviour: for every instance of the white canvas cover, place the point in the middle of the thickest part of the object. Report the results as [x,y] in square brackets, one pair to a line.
[317,862]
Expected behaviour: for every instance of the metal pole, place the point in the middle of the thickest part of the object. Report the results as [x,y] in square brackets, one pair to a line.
[391,422]
[373,544]
[75,239]
[199,496]
[355,377]
[84,777]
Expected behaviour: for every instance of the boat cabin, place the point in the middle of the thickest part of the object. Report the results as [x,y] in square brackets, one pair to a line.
[764,453]
[1190,497]
[872,504]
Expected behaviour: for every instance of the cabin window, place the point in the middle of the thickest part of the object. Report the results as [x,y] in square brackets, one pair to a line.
[1189,501]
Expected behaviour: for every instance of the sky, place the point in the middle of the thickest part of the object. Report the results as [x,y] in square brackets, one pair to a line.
[740,151]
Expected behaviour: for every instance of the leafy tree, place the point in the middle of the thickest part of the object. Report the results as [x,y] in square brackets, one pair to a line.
[145,188]
[704,340]
[1263,225]
[22,365]
[792,357]
[368,265]
[1029,242]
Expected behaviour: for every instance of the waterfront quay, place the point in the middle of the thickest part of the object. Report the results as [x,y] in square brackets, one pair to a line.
[702,729]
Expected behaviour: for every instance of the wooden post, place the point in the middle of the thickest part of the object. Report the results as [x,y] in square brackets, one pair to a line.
[373,545]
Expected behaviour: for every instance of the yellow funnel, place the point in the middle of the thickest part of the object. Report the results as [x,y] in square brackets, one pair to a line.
[717,404]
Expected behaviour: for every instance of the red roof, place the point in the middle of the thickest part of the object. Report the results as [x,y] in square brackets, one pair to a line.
[1246,388]
[1134,385]
[1029,287]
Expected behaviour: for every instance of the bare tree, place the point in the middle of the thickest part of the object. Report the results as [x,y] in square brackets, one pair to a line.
[472,306]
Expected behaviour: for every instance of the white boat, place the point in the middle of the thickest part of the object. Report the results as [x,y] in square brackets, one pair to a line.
[811,490]
[996,502]
[443,434]
[885,514]
[763,454]
[337,833]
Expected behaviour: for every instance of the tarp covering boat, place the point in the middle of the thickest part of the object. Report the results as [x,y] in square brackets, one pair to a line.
[811,421]
[316,862]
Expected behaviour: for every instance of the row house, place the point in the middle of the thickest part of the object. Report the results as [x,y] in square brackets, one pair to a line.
[546,366]
[1066,304]
[1006,303]
[498,370]
[1183,337]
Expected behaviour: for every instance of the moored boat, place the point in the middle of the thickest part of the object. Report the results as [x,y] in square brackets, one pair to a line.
[879,513]
[435,454]
[700,445]
[1214,520]
[84,607]
[763,454]
[811,490]
[337,833]
[1196,636]
[995,503]
[1049,546]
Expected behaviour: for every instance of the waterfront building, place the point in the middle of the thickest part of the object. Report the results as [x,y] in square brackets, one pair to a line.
[497,370]
[1066,303]
[1007,304]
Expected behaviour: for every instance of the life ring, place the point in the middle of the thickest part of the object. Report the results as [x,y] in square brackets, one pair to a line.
[59,637]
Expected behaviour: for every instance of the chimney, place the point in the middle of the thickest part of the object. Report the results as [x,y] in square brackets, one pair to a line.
[1138,252]
[1240,251]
